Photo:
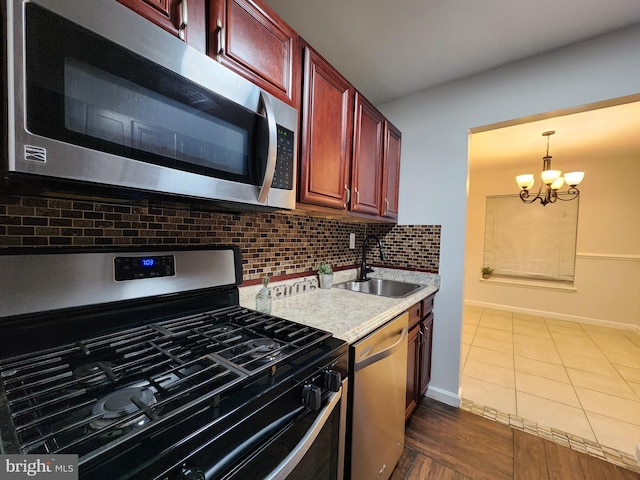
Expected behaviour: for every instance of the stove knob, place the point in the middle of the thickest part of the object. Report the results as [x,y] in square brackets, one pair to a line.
[190,473]
[332,380]
[312,397]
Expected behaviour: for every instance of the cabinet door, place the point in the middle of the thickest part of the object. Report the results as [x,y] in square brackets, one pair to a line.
[248,37]
[366,170]
[327,129]
[170,15]
[413,370]
[426,340]
[391,171]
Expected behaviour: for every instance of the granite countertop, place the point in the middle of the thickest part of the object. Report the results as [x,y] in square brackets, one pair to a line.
[348,315]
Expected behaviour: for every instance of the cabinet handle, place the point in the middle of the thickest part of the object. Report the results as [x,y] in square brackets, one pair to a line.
[346,189]
[420,338]
[386,206]
[219,38]
[183,24]
[357,196]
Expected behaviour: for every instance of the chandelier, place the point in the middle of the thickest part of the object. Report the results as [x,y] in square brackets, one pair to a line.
[552,181]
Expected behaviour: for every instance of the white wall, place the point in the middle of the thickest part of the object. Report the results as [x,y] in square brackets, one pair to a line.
[435,124]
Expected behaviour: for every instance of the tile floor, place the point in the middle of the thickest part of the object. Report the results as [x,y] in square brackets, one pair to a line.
[578,379]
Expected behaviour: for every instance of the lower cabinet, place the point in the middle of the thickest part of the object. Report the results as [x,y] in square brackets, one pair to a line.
[419,352]
[413,358]
[425,340]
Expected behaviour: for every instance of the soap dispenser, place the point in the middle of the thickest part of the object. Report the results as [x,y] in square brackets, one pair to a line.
[263,298]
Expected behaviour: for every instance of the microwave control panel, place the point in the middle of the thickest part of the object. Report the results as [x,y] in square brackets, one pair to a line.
[283,177]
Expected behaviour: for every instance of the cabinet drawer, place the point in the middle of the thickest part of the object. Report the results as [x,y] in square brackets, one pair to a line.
[415,314]
[427,304]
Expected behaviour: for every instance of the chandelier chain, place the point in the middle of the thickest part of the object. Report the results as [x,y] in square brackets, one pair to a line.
[547,145]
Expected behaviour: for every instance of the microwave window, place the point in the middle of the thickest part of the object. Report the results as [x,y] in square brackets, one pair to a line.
[104,106]
[85,90]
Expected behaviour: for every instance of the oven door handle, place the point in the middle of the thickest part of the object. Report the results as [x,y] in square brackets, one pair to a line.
[272,148]
[291,461]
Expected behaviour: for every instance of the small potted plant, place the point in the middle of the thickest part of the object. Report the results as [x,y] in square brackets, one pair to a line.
[325,274]
[486,272]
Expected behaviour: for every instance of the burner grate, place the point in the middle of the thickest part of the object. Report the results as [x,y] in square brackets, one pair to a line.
[51,396]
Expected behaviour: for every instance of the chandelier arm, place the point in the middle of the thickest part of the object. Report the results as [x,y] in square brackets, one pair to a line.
[573,191]
[524,196]
[547,198]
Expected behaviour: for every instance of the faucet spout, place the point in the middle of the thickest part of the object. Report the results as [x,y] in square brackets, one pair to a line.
[364,268]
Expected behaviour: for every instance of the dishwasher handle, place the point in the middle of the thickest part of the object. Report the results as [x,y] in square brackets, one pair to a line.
[383,354]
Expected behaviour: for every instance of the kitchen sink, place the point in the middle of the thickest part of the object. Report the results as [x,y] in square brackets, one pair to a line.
[381,287]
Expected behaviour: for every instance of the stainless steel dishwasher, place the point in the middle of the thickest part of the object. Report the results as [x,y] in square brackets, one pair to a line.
[378,400]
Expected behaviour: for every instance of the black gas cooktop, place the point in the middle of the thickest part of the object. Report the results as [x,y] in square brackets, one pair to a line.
[86,395]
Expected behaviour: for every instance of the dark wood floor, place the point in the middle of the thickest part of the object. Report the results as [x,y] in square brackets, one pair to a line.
[443,442]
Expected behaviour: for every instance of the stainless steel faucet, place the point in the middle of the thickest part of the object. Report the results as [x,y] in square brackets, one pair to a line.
[364,269]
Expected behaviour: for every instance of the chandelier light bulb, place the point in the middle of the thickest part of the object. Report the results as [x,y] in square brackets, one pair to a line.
[550,176]
[526,181]
[558,183]
[573,178]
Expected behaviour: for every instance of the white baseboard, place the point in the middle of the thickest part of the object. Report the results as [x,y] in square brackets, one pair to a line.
[558,316]
[444,396]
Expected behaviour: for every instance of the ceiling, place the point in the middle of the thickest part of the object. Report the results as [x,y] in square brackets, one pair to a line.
[607,132]
[389,49]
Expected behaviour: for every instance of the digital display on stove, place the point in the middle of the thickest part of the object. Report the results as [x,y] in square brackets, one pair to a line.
[136,268]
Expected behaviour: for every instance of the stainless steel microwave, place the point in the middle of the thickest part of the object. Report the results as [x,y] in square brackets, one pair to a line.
[99,96]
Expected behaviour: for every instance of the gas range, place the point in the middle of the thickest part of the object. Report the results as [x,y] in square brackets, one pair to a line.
[158,386]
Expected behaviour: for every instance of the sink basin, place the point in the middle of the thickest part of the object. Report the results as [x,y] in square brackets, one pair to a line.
[381,287]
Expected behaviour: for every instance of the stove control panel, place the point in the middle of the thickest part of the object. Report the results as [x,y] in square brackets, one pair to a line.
[136,268]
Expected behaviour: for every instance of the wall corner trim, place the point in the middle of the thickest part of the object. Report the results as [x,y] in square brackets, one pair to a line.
[445,396]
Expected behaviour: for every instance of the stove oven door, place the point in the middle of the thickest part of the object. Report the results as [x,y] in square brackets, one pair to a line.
[310,447]
[316,456]
[296,434]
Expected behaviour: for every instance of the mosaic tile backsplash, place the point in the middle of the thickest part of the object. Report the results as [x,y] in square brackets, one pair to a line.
[275,244]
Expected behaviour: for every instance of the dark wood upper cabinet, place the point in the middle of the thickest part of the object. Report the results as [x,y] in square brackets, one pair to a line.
[363,180]
[251,39]
[327,129]
[391,171]
[366,169]
[170,15]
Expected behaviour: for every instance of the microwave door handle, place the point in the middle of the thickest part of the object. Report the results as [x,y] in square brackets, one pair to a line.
[272,149]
